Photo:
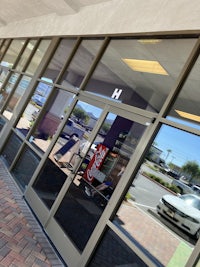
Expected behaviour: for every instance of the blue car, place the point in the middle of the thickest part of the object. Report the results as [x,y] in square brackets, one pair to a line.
[38,99]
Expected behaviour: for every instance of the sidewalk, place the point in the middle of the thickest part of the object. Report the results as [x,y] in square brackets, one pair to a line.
[22,241]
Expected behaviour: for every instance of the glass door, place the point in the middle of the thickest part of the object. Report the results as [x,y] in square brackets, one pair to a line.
[59,167]
[97,168]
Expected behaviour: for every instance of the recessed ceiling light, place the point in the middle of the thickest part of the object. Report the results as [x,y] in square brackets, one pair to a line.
[188,115]
[149,41]
[148,66]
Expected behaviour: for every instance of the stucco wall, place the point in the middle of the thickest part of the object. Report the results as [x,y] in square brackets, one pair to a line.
[115,16]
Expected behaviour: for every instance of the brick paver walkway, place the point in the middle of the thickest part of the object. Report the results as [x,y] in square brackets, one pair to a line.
[162,244]
[22,241]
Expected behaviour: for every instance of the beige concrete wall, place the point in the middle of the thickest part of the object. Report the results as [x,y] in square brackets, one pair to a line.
[114,16]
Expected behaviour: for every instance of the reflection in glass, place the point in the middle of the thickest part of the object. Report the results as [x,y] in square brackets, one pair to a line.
[33,108]
[11,148]
[25,167]
[197,263]
[49,182]
[7,90]
[25,55]
[66,151]
[3,74]
[12,53]
[52,117]
[186,108]
[173,156]
[78,214]
[4,93]
[11,82]
[117,138]
[75,134]
[177,147]
[3,48]
[59,59]
[15,99]
[97,177]
[37,58]
[140,73]
[2,123]
[112,251]
[80,64]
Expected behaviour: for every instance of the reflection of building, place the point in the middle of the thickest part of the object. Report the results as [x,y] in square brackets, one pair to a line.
[143,80]
[154,154]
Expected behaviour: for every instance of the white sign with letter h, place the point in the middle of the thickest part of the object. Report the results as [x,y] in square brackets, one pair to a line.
[116,94]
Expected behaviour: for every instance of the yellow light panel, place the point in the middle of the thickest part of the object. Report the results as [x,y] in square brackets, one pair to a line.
[188,115]
[148,66]
[149,41]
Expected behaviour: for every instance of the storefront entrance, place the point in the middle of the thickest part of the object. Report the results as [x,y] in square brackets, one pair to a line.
[82,173]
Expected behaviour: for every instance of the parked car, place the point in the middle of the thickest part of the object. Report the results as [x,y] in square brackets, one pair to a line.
[183,187]
[39,100]
[165,166]
[173,174]
[196,189]
[183,211]
[71,128]
[186,188]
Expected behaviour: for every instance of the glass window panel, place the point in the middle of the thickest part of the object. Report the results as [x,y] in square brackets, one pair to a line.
[15,99]
[5,92]
[140,72]
[197,263]
[25,167]
[11,82]
[24,57]
[63,154]
[3,74]
[97,177]
[112,251]
[1,42]
[37,58]
[59,59]
[12,53]
[186,108]
[80,64]
[33,108]
[4,46]
[170,237]
[11,148]
[46,125]
[49,182]
[50,121]
[2,123]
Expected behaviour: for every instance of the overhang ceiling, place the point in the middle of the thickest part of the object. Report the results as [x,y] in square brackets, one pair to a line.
[13,11]
[19,10]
